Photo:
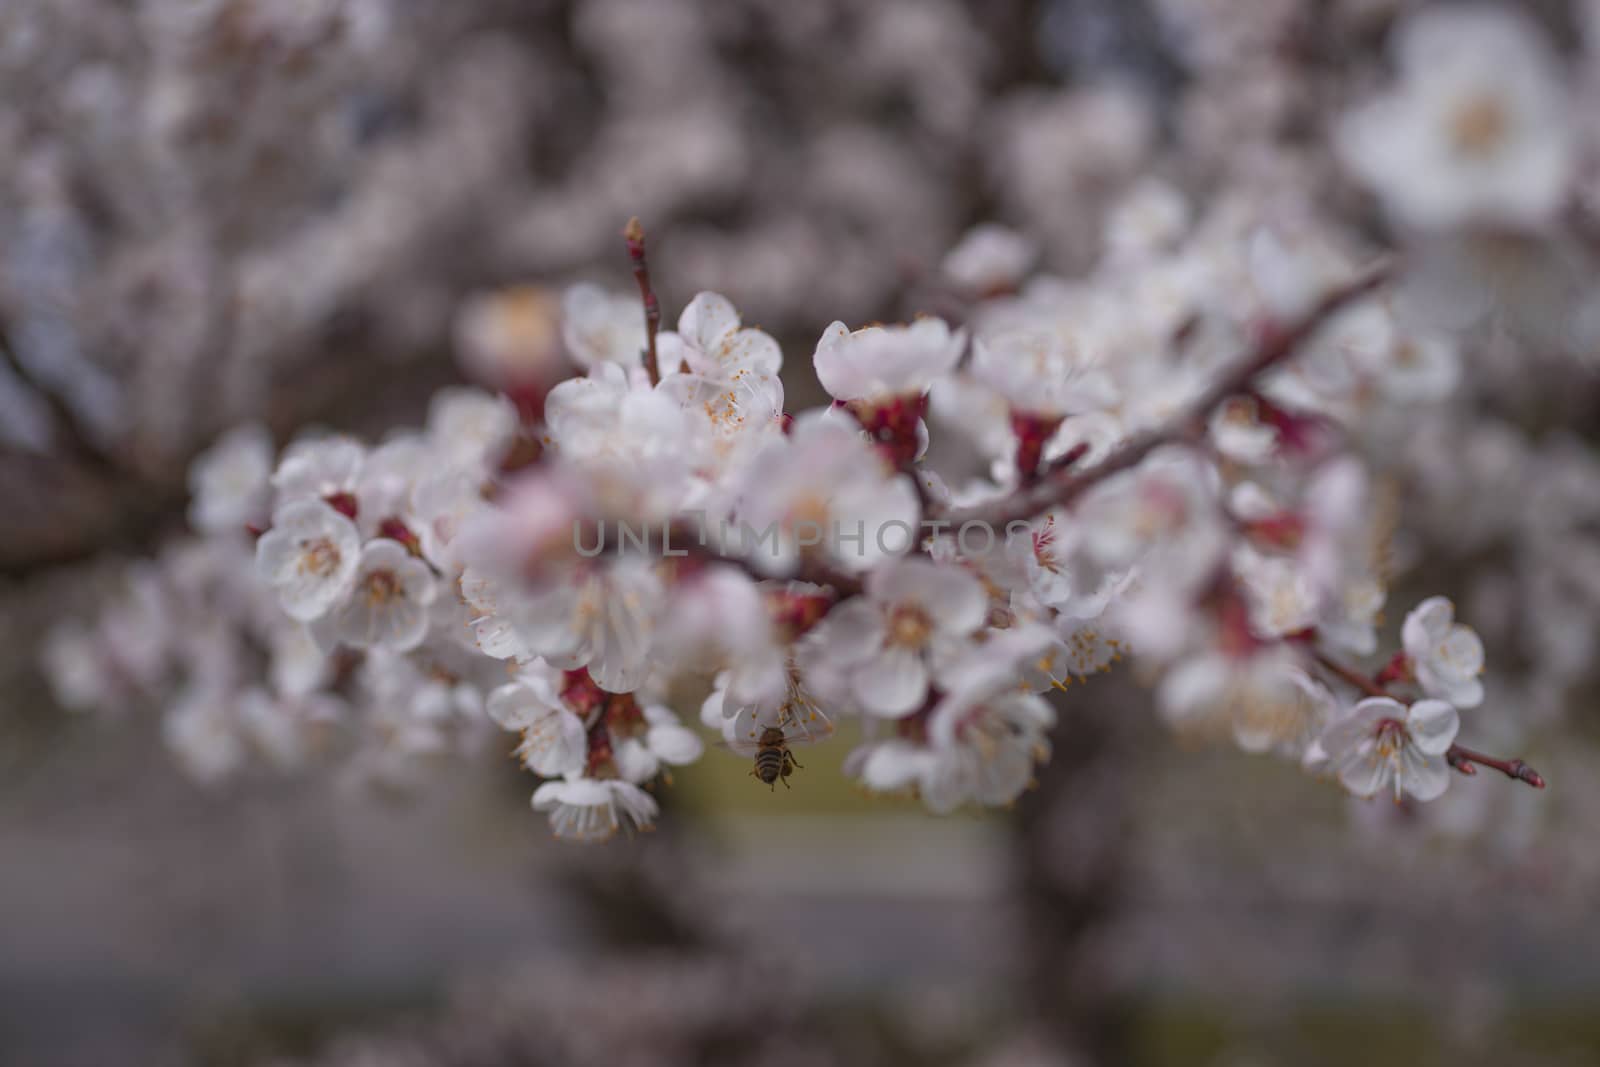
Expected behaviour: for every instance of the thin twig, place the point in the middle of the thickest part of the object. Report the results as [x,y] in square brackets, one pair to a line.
[1462,760]
[1276,345]
[633,234]
[1350,676]
[1459,757]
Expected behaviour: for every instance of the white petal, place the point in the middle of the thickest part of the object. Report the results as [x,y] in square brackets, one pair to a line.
[555,744]
[1426,624]
[515,707]
[1364,773]
[849,633]
[1423,775]
[1355,728]
[674,744]
[707,319]
[635,761]
[747,352]
[946,784]
[893,683]
[1432,725]
[890,766]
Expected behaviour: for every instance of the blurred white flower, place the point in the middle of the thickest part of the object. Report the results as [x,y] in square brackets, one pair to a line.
[319,468]
[660,739]
[824,489]
[990,259]
[388,601]
[310,557]
[1478,131]
[470,428]
[589,809]
[881,362]
[1266,700]
[600,327]
[229,483]
[1042,372]
[201,728]
[511,338]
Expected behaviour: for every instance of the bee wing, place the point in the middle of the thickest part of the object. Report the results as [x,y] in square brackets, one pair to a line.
[739,746]
[807,726]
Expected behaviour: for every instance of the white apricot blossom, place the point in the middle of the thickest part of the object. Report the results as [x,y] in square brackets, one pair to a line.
[555,740]
[593,809]
[600,327]
[979,744]
[229,483]
[310,557]
[1477,131]
[320,468]
[470,428]
[661,740]
[880,362]
[989,259]
[889,645]
[1382,744]
[1445,656]
[1042,372]
[600,615]
[389,599]
[824,490]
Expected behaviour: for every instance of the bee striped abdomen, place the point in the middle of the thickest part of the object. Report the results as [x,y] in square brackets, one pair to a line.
[769,764]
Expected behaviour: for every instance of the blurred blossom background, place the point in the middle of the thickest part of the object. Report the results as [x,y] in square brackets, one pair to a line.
[293,211]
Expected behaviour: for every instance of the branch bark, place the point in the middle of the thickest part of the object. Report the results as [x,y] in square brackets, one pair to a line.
[1276,345]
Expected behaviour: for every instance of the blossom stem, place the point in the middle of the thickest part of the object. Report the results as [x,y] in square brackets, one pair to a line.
[1461,758]
[633,234]
[1350,676]
[1276,344]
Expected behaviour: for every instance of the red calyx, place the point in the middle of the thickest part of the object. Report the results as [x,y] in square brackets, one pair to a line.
[344,503]
[892,424]
[1298,433]
[1398,669]
[1032,432]
[396,530]
[1283,530]
[795,613]
[1237,639]
[580,693]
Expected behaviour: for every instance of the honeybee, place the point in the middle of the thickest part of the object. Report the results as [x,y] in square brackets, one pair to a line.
[799,723]
[774,761]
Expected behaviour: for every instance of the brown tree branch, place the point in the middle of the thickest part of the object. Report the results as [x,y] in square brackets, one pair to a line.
[1460,757]
[1276,345]
[633,234]
[67,431]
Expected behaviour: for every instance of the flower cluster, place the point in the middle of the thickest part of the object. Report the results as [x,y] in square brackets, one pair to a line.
[1163,460]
